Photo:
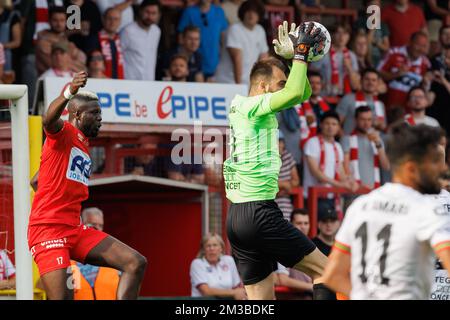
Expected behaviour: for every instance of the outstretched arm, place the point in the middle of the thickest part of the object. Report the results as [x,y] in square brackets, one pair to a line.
[297,88]
[51,119]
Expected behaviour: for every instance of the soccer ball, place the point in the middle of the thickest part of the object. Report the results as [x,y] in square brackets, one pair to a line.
[318,52]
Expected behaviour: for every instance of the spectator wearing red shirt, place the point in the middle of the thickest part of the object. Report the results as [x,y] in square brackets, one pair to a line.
[404,68]
[403,19]
[110,45]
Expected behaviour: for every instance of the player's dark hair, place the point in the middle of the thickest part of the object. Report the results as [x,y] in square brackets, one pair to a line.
[56,10]
[330,114]
[362,109]
[408,96]
[302,212]
[443,132]
[312,73]
[410,143]
[190,28]
[264,68]
[147,3]
[369,70]
[251,5]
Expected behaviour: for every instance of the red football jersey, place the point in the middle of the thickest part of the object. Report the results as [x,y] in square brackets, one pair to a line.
[398,88]
[63,178]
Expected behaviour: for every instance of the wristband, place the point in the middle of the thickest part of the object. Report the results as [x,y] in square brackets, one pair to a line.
[67,94]
[301,52]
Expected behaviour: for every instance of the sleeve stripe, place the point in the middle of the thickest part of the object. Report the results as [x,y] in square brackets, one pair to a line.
[442,246]
[342,247]
[341,250]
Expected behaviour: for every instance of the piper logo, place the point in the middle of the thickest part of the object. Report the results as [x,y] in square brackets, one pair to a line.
[79,168]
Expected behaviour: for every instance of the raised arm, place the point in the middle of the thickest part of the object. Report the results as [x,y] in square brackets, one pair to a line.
[52,118]
[297,88]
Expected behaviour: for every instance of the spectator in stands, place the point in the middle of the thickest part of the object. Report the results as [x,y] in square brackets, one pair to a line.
[140,41]
[441,88]
[32,23]
[273,19]
[109,43]
[435,12]
[212,23]
[289,126]
[404,68]
[189,47]
[96,65]
[324,157]
[60,61]
[403,19]
[214,274]
[57,33]
[92,282]
[444,37]
[364,154]
[230,8]
[328,225]
[10,32]
[178,69]
[360,46]
[339,68]
[124,6]
[367,96]
[192,173]
[245,44]
[91,24]
[300,219]
[147,164]
[312,109]
[292,278]
[378,38]
[287,179]
[7,272]
[417,103]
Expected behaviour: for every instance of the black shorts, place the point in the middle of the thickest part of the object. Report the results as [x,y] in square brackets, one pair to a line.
[260,237]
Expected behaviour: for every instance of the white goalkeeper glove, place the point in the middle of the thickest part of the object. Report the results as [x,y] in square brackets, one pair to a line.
[283,46]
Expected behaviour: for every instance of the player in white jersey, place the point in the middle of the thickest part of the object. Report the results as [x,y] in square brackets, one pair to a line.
[386,246]
[440,286]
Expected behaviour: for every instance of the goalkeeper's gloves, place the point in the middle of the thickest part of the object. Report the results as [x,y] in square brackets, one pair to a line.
[283,46]
[307,38]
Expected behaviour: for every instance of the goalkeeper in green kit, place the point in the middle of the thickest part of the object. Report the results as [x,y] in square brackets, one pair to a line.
[259,235]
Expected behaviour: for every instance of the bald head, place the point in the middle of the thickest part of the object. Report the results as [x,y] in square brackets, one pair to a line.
[93,217]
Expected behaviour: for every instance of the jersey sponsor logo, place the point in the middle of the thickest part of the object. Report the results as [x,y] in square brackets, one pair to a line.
[79,168]
[50,244]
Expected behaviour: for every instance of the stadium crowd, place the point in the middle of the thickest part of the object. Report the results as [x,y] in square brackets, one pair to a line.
[370,80]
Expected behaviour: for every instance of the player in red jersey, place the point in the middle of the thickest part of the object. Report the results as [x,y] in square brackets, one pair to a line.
[55,232]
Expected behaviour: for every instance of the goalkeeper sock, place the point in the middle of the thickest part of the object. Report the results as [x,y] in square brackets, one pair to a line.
[321,292]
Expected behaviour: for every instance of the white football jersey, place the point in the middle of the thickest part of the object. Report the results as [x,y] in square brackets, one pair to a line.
[440,287]
[390,234]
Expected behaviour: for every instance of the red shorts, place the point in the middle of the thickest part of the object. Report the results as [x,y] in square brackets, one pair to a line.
[54,245]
